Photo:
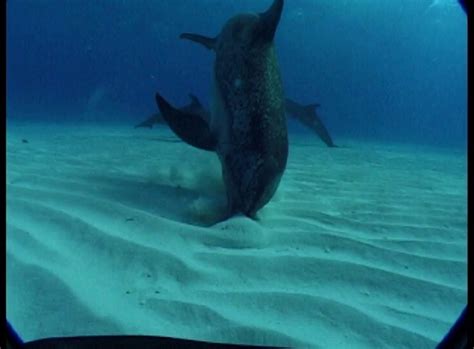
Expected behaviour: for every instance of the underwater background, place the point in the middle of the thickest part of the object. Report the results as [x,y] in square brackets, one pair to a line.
[113,229]
[387,70]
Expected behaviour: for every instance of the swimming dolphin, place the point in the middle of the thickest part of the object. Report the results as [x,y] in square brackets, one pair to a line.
[305,114]
[194,107]
[152,120]
[247,126]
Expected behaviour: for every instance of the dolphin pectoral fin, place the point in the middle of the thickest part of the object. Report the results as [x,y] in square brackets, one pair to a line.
[190,128]
[209,43]
[269,21]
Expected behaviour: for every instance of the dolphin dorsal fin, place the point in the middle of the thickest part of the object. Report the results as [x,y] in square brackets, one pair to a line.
[207,42]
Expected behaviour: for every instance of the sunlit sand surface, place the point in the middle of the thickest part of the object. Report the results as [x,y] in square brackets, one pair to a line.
[112,230]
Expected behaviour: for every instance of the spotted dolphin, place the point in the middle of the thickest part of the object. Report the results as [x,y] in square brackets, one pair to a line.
[247,125]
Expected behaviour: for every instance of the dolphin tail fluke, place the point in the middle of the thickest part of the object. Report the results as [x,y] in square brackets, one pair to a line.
[209,43]
[190,128]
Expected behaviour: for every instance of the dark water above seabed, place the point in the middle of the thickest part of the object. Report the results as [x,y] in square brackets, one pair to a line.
[383,70]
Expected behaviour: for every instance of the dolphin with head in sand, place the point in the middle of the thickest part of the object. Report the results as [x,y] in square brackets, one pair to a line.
[247,125]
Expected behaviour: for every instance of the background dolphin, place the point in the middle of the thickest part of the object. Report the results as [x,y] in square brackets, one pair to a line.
[194,107]
[306,114]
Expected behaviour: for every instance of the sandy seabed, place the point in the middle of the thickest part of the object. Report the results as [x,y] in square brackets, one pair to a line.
[112,230]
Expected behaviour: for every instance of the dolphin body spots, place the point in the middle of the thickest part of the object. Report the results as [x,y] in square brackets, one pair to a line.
[247,126]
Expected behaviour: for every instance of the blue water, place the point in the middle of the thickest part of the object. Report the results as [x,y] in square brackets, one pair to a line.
[383,70]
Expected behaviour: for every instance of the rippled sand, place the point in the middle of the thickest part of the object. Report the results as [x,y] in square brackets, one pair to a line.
[112,230]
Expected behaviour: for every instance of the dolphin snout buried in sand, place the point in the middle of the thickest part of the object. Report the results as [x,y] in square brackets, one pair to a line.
[247,126]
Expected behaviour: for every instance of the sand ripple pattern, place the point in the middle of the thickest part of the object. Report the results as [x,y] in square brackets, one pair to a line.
[114,230]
